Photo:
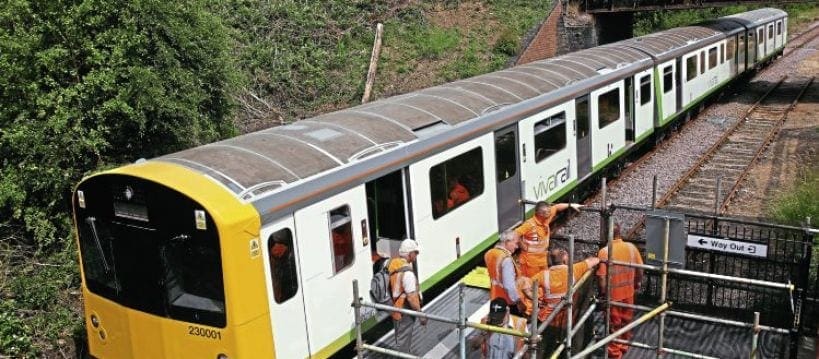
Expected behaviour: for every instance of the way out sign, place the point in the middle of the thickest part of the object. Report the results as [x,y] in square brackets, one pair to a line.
[728,246]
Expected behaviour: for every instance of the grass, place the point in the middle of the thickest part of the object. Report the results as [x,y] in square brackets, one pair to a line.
[794,206]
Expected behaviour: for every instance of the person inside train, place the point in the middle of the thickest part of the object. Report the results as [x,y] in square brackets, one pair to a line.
[503,272]
[406,293]
[535,237]
[458,194]
[342,246]
[498,345]
[624,281]
[553,285]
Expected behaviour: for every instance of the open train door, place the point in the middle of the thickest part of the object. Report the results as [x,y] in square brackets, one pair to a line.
[507,174]
[285,290]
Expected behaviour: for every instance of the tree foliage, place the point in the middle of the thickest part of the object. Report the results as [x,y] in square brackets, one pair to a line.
[88,83]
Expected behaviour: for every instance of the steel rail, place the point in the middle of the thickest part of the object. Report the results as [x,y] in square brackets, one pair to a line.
[767,142]
[709,153]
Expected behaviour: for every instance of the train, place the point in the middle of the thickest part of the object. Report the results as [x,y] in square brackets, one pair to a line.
[248,247]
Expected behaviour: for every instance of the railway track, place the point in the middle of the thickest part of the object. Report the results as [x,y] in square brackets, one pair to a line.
[727,163]
[796,42]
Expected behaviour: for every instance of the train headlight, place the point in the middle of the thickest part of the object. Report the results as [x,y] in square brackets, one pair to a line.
[222,356]
[95,321]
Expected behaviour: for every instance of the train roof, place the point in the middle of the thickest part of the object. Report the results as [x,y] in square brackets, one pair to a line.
[262,162]
[259,162]
[757,17]
[669,44]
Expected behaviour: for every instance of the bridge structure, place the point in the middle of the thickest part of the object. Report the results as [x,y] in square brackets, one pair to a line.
[572,25]
[630,6]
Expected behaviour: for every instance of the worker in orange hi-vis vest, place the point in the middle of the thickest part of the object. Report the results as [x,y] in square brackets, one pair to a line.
[503,272]
[534,234]
[624,282]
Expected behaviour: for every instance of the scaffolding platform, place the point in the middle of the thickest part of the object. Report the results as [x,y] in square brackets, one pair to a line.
[440,340]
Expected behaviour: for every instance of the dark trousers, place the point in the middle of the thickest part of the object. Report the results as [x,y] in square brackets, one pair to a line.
[403,333]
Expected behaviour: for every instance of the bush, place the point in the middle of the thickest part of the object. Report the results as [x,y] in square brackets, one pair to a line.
[88,83]
[800,202]
[507,43]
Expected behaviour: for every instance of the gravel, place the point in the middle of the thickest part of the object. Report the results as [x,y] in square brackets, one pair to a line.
[678,153]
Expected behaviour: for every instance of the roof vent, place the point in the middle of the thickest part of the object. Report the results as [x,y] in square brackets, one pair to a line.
[260,188]
[431,129]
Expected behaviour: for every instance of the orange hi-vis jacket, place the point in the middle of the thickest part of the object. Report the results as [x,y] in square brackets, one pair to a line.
[622,277]
[535,233]
[493,259]
[396,270]
[554,283]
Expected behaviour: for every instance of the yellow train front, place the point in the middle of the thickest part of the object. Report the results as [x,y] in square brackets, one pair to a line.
[166,261]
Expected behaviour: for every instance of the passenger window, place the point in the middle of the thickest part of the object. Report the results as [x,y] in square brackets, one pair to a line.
[760,35]
[608,108]
[550,136]
[779,28]
[341,238]
[456,181]
[668,79]
[645,89]
[731,49]
[691,68]
[712,58]
[283,272]
[702,62]
[770,31]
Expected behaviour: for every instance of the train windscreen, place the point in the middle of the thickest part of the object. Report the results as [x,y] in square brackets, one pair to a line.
[150,248]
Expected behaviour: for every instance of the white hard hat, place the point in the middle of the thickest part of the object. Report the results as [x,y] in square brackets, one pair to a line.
[408,246]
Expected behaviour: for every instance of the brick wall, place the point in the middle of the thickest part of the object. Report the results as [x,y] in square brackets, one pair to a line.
[544,43]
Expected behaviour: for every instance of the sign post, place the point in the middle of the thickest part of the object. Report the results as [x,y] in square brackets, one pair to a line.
[727,246]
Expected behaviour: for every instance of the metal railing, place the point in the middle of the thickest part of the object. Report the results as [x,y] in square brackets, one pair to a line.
[534,337]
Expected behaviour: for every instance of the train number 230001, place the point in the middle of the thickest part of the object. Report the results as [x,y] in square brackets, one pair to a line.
[204,332]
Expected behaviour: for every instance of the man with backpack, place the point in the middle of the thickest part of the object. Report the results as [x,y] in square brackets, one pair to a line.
[396,284]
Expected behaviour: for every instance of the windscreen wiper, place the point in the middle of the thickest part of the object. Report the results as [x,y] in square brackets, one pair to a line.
[91,223]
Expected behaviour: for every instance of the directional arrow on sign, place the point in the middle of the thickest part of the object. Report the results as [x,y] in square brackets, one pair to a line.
[702,242]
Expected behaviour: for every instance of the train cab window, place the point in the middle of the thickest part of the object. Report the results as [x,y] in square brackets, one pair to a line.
[702,62]
[760,35]
[283,271]
[779,28]
[645,89]
[690,68]
[608,108]
[341,237]
[456,182]
[668,79]
[712,58]
[550,136]
[770,31]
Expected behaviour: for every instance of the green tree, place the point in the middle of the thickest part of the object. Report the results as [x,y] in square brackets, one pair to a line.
[90,83]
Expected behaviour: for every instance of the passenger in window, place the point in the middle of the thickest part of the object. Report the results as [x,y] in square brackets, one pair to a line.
[535,237]
[282,260]
[342,246]
[458,194]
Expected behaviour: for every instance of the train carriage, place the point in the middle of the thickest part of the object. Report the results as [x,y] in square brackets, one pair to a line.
[248,247]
